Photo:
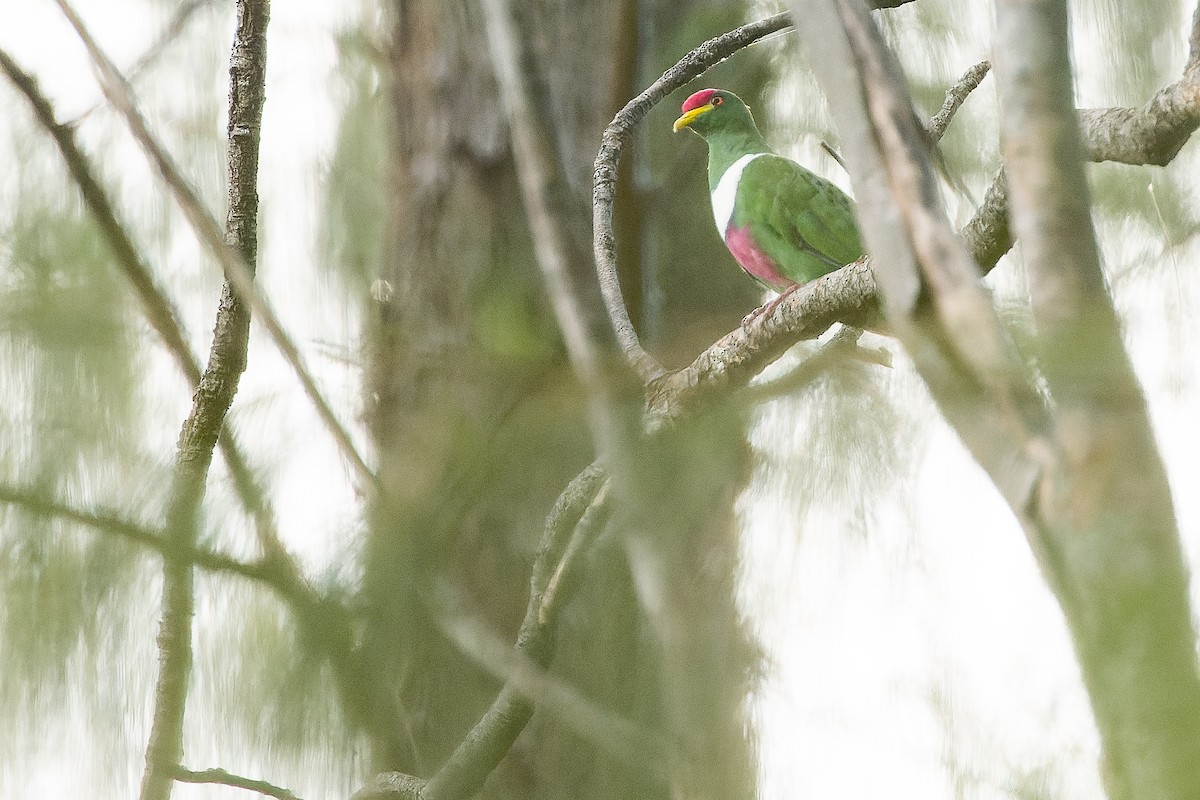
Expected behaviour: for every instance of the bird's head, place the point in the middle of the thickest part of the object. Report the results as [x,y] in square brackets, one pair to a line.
[711,110]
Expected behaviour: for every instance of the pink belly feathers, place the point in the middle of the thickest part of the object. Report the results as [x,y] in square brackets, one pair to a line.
[753,260]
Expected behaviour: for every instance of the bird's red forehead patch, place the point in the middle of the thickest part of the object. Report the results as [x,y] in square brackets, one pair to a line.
[698,99]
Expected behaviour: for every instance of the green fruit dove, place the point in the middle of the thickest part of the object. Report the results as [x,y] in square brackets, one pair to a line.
[784,225]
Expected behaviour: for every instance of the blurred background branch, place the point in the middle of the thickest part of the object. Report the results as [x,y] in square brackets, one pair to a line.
[238,270]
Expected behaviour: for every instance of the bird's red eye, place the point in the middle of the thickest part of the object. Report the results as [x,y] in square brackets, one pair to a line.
[716,101]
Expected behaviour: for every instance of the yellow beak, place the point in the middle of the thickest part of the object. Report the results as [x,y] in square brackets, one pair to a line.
[690,117]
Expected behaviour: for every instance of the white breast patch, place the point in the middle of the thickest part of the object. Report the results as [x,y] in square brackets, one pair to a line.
[726,192]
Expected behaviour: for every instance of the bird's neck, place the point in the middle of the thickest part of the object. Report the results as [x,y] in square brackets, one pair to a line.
[726,147]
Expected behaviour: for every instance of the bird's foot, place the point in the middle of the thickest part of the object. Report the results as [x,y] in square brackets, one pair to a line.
[766,309]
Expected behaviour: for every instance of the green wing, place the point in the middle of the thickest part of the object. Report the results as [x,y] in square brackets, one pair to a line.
[802,221]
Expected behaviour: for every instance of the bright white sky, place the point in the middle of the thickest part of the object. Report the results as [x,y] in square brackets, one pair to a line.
[924,649]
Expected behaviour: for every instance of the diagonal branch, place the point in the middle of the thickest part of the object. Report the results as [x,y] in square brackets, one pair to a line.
[613,141]
[179,20]
[848,294]
[575,519]
[235,264]
[956,95]
[156,304]
[35,502]
[934,299]
[159,310]
[223,778]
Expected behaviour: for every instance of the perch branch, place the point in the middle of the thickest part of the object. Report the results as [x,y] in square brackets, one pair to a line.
[612,142]
[238,271]
[849,294]
[616,135]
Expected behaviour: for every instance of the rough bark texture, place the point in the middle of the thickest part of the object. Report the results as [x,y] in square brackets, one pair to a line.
[476,417]
[218,384]
[474,439]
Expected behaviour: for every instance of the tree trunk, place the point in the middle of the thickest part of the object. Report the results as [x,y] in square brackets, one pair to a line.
[478,424]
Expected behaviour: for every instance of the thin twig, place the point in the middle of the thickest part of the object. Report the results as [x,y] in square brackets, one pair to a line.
[236,269]
[834,154]
[224,778]
[34,501]
[524,677]
[159,310]
[173,29]
[956,95]
[842,345]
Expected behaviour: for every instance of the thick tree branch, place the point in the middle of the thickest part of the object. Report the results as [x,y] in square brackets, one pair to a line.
[930,284]
[988,235]
[1104,508]
[1154,133]
[237,269]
